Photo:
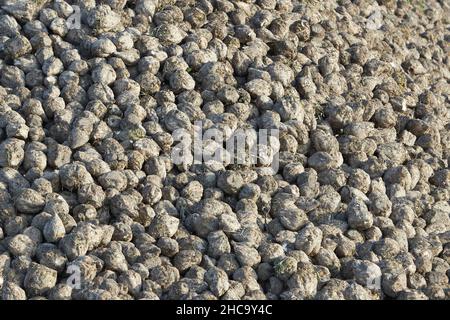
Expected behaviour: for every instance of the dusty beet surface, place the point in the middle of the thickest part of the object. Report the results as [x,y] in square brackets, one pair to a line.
[93,207]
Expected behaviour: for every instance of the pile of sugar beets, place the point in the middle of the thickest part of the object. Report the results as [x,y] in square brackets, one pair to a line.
[93,207]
